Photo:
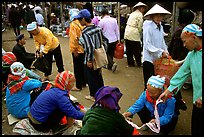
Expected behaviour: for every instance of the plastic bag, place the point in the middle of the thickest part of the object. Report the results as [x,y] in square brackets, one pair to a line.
[119,51]
[165,67]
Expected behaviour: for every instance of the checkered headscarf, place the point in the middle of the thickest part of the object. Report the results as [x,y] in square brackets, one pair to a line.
[8,58]
[64,79]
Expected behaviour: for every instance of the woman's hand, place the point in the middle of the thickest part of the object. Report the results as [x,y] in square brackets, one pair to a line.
[164,95]
[198,103]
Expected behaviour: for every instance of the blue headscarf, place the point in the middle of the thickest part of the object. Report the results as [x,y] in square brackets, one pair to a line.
[193,28]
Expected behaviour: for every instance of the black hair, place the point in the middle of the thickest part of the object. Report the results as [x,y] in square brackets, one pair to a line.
[37,11]
[88,20]
[104,11]
[186,16]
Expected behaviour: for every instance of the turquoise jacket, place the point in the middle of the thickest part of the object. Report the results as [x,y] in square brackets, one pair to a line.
[191,67]
[18,103]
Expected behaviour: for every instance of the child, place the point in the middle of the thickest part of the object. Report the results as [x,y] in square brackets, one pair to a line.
[144,106]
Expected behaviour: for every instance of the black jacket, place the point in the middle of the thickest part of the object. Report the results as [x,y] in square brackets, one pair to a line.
[22,56]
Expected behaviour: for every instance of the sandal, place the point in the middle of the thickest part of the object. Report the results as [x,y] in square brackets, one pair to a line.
[75,89]
[89,98]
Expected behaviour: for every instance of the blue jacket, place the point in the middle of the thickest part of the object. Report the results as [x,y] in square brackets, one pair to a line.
[18,103]
[49,101]
[165,110]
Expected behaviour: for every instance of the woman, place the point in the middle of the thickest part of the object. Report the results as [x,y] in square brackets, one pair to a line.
[104,117]
[154,45]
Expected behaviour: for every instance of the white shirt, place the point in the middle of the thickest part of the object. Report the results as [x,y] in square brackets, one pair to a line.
[153,41]
[39,18]
[133,27]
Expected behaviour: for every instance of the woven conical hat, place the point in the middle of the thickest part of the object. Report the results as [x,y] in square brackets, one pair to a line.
[139,4]
[156,9]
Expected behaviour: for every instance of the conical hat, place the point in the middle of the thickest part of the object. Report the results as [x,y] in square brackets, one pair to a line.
[156,9]
[139,4]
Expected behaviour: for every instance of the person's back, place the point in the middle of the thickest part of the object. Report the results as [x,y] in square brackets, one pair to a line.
[110,28]
[104,118]
[18,91]
[29,15]
[103,121]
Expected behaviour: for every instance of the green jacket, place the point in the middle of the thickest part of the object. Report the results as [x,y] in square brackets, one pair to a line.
[103,121]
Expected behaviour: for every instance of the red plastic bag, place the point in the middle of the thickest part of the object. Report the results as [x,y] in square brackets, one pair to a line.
[165,67]
[119,51]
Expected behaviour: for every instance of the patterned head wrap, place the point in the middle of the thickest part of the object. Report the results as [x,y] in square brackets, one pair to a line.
[8,58]
[18,69]
[193,28]
[156,81]
[108,97]
[64,80]
[73,13]
[32,26]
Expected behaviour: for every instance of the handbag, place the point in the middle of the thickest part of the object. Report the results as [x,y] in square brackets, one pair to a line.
[100,57]
[119,51]
[165,67]
[41,64]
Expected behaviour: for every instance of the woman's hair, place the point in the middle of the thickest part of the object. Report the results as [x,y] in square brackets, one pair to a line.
[186,16]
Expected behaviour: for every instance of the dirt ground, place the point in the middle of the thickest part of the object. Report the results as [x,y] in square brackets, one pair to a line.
[128,80]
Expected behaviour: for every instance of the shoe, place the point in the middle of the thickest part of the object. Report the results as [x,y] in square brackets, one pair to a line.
[75,89]
[90,98]
[114,67]
[130,66]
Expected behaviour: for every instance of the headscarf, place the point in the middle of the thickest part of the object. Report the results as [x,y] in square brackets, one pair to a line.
[8,58]
[193,28]
[32,26]
[64,80]
[73,13]
[108,97]
[17,78]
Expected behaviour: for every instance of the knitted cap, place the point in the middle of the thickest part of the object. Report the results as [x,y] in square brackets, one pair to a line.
[156,81]
[64,80]
[18,69]
[8,58]
[32,26]
[194,29]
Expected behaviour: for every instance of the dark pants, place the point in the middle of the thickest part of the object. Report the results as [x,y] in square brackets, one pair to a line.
[58,58]
[52,122]
[78,63]
[110,54]
[197,121]
[148,71]
[16,29]
[145,117]
[133,49]
[94,79]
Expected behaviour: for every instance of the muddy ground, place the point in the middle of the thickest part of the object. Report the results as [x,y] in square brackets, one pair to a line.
[128,80]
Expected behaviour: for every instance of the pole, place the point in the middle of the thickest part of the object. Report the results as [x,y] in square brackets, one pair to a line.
[119,16]
[61,15]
